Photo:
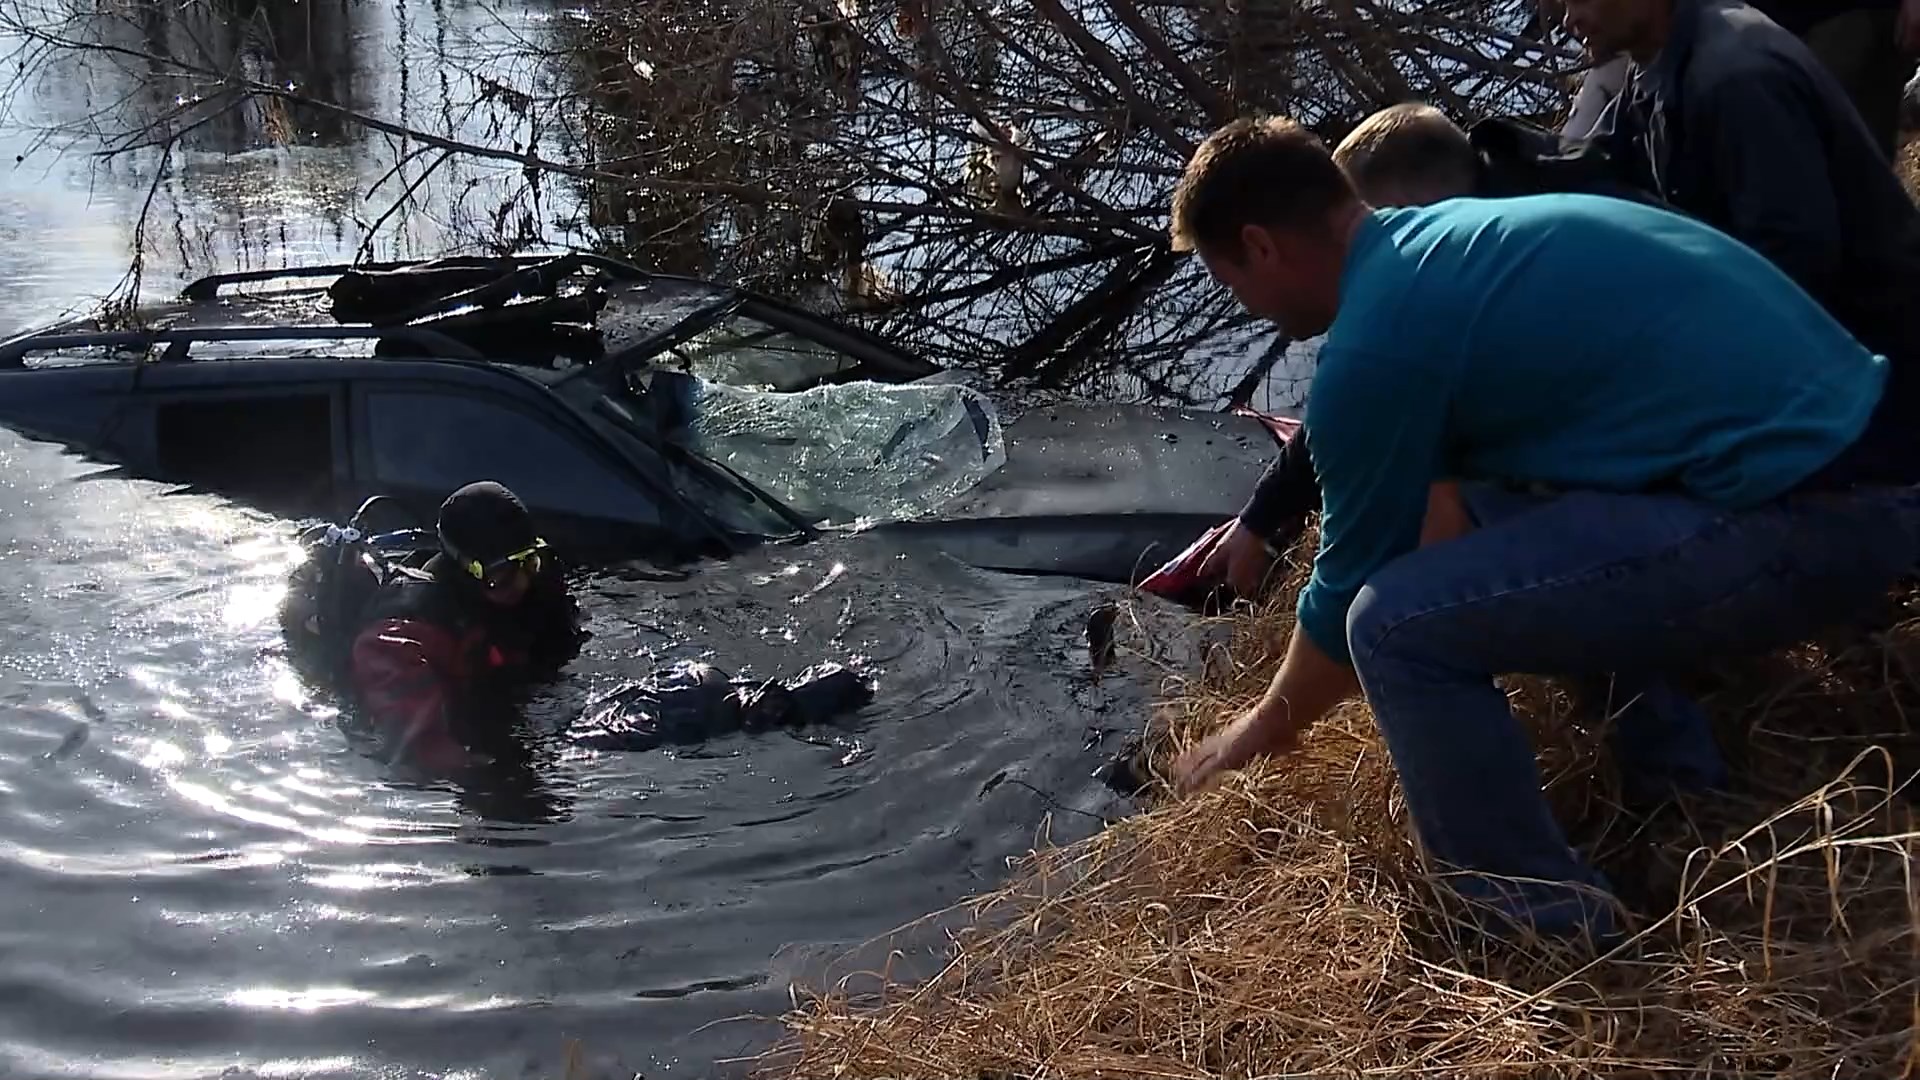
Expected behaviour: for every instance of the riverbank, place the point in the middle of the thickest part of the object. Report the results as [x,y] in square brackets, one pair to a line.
[1280,924]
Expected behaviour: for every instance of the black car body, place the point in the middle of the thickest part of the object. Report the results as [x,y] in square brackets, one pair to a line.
[248,387]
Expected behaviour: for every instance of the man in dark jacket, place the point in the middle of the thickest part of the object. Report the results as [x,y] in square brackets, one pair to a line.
[1867,44]
[439,647]
[1732,119]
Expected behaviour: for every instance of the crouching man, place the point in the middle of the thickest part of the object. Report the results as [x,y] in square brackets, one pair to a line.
[1698,463]
[1409,154]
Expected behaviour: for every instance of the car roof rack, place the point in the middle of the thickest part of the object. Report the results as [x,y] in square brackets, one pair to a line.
[178,340]
[854,339]
[207,288]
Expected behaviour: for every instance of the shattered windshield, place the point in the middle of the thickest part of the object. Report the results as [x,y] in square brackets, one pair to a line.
[743,351]
[728,503]
[845,454]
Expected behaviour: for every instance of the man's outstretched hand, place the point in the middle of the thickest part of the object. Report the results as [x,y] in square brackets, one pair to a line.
[1308,684]
[1251,734]
[1241,558]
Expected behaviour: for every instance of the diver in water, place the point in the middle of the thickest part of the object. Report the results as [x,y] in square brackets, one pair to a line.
[440,647]
[693,701]
[435,644]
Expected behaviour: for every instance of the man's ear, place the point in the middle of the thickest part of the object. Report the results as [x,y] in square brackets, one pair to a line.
[1292,247]
[1257,245]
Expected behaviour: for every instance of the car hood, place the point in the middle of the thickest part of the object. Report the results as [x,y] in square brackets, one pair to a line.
[1106,492]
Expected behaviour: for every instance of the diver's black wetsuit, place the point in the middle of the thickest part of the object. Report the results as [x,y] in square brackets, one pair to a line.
[692,701]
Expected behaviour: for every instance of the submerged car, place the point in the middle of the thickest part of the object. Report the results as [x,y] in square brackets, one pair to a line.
[639,415]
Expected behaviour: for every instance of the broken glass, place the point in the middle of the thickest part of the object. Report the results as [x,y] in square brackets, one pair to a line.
[853,453]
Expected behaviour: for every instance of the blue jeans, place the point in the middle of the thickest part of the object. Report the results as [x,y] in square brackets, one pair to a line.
[1591,584]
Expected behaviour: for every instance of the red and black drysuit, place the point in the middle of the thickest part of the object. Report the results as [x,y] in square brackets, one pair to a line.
[435,662]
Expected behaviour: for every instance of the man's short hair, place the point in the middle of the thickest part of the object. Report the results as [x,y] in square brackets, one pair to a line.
[1267,171]
[1411,149]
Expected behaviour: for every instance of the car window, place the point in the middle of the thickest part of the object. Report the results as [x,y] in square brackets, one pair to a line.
[745,352]
[440,441]
[287,439]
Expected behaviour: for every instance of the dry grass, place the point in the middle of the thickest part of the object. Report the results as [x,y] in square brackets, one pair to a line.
[1281,925]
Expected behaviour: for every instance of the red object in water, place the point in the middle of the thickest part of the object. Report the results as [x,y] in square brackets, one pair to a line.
[1283,428]
[1179,578]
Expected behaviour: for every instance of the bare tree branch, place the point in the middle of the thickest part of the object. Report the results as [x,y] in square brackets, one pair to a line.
[983,180]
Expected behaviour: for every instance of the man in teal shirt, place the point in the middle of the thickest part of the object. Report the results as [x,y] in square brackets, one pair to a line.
[1689,457]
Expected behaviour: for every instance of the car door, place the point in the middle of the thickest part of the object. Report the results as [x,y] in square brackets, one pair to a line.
[420,440]
[80,407]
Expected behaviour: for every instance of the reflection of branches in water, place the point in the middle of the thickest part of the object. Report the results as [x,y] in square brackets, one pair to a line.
[984,180]
[118,83]
[132,109]
[120,304]
[306,46]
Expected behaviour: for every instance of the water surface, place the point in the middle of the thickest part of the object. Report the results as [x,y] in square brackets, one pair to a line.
[199,872]
[198,869]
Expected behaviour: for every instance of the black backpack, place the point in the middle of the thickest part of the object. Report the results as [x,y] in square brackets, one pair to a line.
[343,567]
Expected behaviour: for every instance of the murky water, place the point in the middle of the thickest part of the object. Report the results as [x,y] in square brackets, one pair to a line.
[199,872]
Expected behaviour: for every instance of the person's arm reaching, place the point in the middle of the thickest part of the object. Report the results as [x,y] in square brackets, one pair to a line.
[556,615]
[1287,492]
[400,673]
[1307,686]
[1376,450]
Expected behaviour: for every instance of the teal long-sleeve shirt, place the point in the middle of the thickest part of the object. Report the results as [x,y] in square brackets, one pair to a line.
[1572,341]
